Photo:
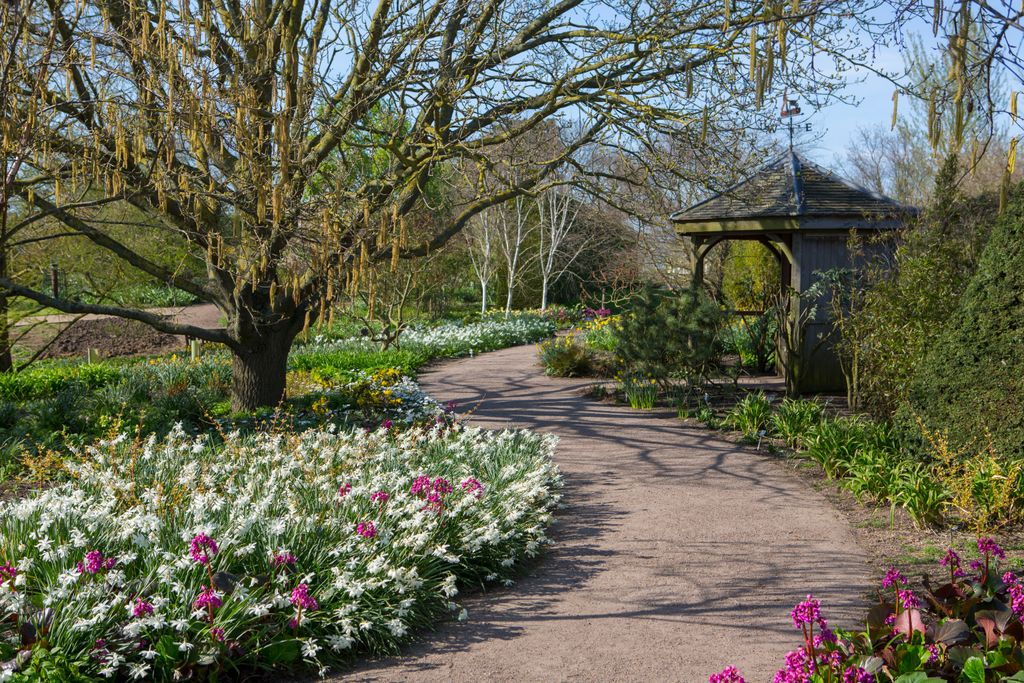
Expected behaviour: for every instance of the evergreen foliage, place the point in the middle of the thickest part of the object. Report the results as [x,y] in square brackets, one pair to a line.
[670,334]
[970,383]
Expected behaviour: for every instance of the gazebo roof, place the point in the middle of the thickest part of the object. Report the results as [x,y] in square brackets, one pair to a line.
[784,193]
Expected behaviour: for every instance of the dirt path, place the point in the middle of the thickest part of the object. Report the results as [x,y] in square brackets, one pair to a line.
[677,553]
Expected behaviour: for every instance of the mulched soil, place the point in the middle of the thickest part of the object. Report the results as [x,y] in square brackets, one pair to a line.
[111,336]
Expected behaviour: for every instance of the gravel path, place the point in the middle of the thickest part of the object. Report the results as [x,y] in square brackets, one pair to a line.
[677,553]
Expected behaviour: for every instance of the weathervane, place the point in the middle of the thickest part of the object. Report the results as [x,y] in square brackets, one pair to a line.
[791,109]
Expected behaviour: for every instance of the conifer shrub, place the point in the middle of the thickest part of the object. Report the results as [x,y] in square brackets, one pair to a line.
[670,335]
[970,383]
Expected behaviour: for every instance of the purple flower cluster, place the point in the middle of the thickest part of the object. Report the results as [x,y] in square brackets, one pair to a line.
[807,612]
[302,599]
[344,489]
[433,490]
[472,487]
[797,667]
[8,572]
[207,599]
[366,529]
[989,548]
[94,563]
[729,674]
[202,548]
[907,599]
[387,424]
[952,562]
[141,608]
[893,577]
[855,674]
[1015,591]
[380,497]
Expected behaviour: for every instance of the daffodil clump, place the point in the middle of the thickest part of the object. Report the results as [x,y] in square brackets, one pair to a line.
[187,557]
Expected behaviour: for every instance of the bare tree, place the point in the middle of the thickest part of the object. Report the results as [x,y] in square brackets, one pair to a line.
[514,228]
[281,144]
[559,242]
[481,235]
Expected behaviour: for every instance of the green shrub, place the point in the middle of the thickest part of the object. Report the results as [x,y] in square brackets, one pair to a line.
[751,415]
[565,357]
[670,335]
[970,383]
[795,418]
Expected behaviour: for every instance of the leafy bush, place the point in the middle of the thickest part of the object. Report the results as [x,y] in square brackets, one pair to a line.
[180,558]
[751,415]
[565,357]
[45,380]
[970,629]
[794,418]
[970,384]
[909,299]
[669,335]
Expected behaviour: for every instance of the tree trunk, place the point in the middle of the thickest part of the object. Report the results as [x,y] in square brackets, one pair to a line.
[544,293]
[483,298]
[6,361]
[258,373]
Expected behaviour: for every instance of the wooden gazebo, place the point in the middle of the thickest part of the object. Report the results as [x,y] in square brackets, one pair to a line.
[804,214]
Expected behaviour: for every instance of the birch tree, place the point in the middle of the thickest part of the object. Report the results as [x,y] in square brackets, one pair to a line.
[481,235]
[515,228]
[249,131]
[557,250]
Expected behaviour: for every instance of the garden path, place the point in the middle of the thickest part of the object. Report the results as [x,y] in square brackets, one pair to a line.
[677,552]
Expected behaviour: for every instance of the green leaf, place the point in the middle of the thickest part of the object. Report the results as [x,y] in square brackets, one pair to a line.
[917,677]
[974,670]
[281,652]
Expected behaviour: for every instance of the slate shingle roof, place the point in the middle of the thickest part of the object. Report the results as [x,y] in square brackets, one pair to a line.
[791,187]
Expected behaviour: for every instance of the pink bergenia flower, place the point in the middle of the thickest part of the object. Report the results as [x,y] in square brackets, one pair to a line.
[366,529]
[729,674]
[1015,591]
[952,562]
[806,612]
[797,668]
[907,599]
[141,608]
[989,548]
[387,424]
[380,497]
[207,599]
[855,674]
[217,634]
[893,577]
[933,656]
[302,599]
[344,489]
[8,572]
[420,485]
[202,548]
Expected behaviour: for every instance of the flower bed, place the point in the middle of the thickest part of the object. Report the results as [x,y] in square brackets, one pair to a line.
[175,557]
[968,629]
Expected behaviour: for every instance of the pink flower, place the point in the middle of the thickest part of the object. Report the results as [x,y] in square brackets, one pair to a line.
[302,599]
[420,485]
[8,572]
[908,599]
[203,548]
[806,612]
[729,674]
[387,424]
[952,561]
[1015,591]
[344,489]
[141,608]
[472,487]
[893,577]
[797,668]
[283,559]
[989,547]
[207,599]
[855,674]
[217,634]
[366,529]
[380,497]
[95,562]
